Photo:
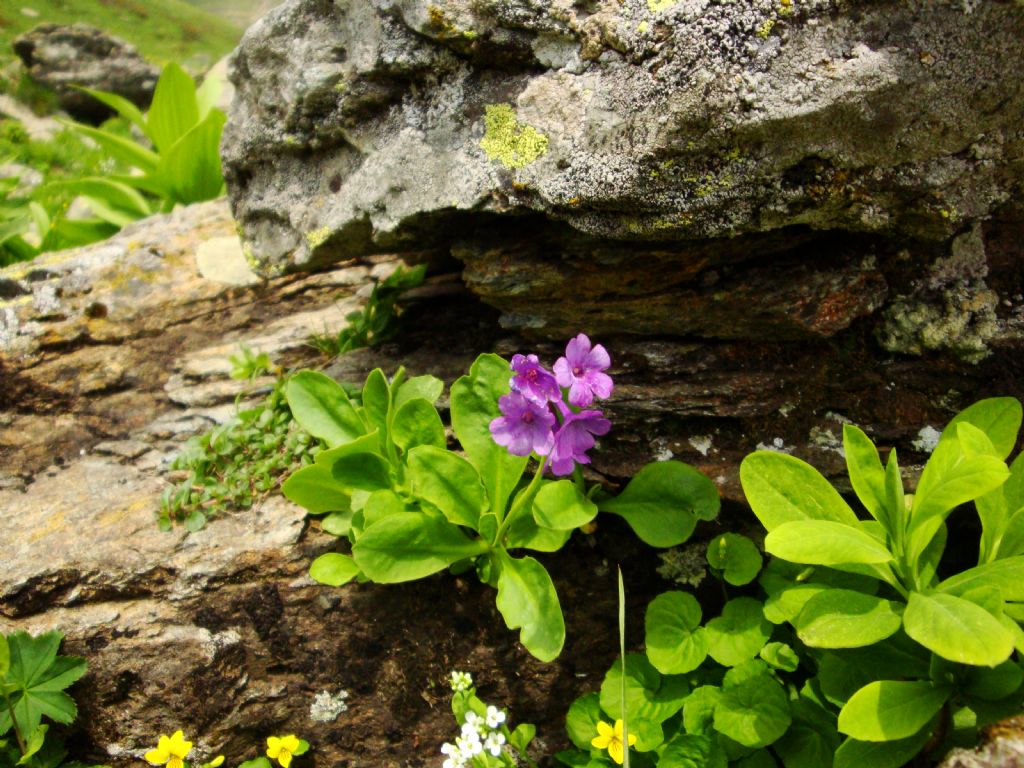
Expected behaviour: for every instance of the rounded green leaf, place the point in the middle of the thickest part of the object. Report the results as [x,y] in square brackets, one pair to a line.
[411,545]
[581,720]
[688,750]
[321,407]
[699,709]
[362,472]
[337,523]
[675,641]
[754,713]
[957,629]
[739,633]
[561,507]
[381,504]
[417,423]
[650,697]
[780,656]
[842,618]
[735,555]
[528,601]
[663,502]
[448,482]
[781,489]
[823,542]
[428,388]
[315,489]
[994,684]
[333,569]
[886,710]
[880,754]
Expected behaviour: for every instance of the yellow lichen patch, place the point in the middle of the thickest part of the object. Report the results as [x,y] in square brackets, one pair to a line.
[765,30]
[318,237]
[642,27]
[785,7]
[508,141]
[657,6]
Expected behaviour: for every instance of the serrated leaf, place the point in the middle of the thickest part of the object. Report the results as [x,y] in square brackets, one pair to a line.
[37,677]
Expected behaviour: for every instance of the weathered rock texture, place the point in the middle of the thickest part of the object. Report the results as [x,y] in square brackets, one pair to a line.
[65,56]
[756,170]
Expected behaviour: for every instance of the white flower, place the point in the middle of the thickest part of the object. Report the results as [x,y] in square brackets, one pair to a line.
[455,758]
[473,719]
[461,681]
[495,717]
[468,748]
[494,743]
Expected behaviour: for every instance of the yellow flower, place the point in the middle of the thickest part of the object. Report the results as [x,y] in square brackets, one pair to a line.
[282,749]
[611,739]
[172,751]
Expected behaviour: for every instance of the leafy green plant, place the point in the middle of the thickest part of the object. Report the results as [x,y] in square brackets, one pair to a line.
[857,652]
[411,507]
[485,739]
[377,321]
[181,163]
[32,682]
[242,460]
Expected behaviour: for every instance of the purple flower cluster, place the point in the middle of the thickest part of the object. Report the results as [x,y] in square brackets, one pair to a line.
[535,415]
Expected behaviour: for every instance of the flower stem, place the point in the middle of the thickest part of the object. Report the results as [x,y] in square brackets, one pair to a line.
[14,724]
[521,502]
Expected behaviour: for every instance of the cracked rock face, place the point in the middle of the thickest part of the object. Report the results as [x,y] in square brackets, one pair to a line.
[659,159]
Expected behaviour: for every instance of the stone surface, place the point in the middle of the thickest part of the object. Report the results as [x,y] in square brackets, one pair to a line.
[1002,747]
[221,259]
[64,56]
[756,170]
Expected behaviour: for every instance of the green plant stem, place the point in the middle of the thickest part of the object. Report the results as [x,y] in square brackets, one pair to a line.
[521,502]
[14,724]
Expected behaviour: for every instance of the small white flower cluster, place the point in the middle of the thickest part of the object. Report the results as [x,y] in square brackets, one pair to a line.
[479,734]
[461,681]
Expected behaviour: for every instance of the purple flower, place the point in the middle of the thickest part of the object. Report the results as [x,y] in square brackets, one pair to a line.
[523,427]
[581,371]
[533,381]
[574,438]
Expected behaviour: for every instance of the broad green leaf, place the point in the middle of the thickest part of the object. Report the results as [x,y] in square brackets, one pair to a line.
[191,168]
[842,618]
[881,754]
[950,478]
[447,481]
[1014,486]
[362,472]
[119,104]
[428,388]
[524,533]
[650,697]
[1006,575]
[34,744]
[956,629]
[754,713]
[474,404]
[886,710]
[823,542]
[364,444]
[321,407]
[207,94]
[582,718]
[381,504]
[315,489]
[688,750]
[337,523]
[998,417]
[842,673]
[5,657]
[895,498]
[739,633]
[699,709]
[785,605]
[38,676]
[411,545]
[736,556]
[780,656]
[759,758]
[377,400]
[121,149]
[333,569]
[560,506]
[522,735]
[417,423]
[663,502]
[783,489]
[174,111]
[528,602]
[1011,541]
[993,684]
[811,740]
[112,192]
[675,641]
[866,473]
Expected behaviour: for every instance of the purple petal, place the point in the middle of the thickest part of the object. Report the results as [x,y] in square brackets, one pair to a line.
[598,358]
[577,350]
[563,372]
[580,394]
[600,384]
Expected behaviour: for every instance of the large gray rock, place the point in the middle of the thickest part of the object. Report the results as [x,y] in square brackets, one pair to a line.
[65,56]
[664,159]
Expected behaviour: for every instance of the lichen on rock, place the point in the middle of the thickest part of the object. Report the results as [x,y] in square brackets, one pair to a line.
[509,142]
